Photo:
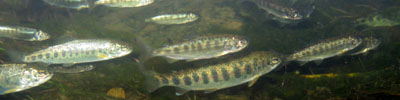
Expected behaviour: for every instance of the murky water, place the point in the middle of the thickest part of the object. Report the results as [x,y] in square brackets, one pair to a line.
[374,75]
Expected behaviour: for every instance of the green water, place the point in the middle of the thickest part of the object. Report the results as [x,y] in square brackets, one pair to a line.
[377,72]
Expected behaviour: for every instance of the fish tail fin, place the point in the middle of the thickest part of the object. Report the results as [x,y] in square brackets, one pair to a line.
[15,56]
[151,82]
[147,20]
[145,49]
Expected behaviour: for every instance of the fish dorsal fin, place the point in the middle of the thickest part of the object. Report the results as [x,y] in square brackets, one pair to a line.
[210,90]
[180,91]
[318,62]
[251,83]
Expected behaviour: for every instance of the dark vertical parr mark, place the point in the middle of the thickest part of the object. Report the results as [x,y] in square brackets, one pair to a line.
[195,77]
[236,71]
[187,80]
[176,80]
[186,48]
[64,53]
[47,55]
[247,68]
[40,56]
[55,54]
[214,74]
[164,80]
[225,74]
[205,77]
[176,50]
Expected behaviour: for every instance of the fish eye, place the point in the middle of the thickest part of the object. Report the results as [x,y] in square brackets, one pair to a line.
[275,60]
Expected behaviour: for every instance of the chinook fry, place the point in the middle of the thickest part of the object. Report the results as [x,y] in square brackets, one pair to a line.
[203,47]
[173,18]
[124,3]
[326,49]
[80,51]
[19,77]
[23,33]
[214,77]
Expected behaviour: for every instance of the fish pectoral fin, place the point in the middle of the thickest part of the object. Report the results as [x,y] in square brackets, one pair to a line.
[318,62]
[68,64]
[210,90]
[180,91]
[251,83]
[101,55]
[170,60]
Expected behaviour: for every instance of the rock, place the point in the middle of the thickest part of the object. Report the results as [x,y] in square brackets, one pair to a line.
[117,93]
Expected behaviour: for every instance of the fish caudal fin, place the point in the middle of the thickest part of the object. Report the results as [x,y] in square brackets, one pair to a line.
[145,49]
[15,56]
[151,82]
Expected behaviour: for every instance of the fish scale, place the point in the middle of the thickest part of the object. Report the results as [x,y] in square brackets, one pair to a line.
[218,76]
[80,51]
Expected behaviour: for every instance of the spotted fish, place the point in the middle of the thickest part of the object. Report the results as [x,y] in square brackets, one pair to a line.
[19,77]
[203,47]
[377,21]
[80,51]
[23,33]
[124,3]
[210,78]
[71,69]
[73,4]
[325,49]
[368,43]
[284,12]
[173,18]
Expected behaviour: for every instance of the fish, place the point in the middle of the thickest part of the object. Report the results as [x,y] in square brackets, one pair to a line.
[325,49]
[377,21]
[72,69]
[19,77]
[285,12]
[368,43]
[202,47]
[72,4]
[173,18]
[124,3]
[79,51]
[23,33]
[212,77]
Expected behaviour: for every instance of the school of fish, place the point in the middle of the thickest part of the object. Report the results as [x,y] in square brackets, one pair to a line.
[80,55]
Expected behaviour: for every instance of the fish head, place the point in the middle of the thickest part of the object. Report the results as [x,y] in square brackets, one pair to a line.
[34,77]
[237,43]
[40,36]
[293,14]
[118,49]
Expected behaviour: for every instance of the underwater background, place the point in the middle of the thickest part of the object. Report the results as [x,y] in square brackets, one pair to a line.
[371,76]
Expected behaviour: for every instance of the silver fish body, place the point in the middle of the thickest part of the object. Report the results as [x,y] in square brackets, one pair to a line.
[173,18]
[19,77]
[73,4]
[217,76]
[80,51]
[274,8]
[369,43]
[124,3]
[71,69]
[326,49]
[203,47]
[23,33]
